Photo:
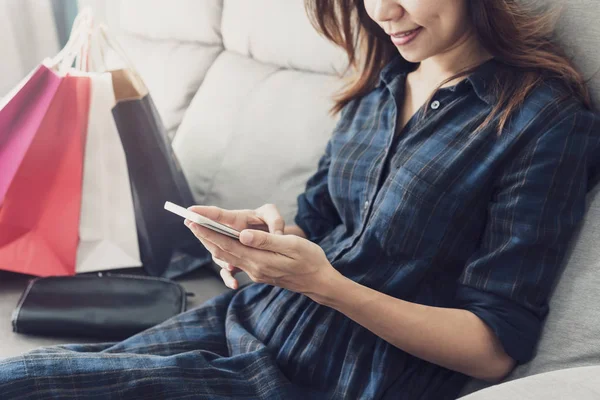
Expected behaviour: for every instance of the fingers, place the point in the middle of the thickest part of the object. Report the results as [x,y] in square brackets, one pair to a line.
[236,219]
[271,216]
[225,265]
[267,214]
[227,273]
[220,263]
[246,258]
[232,251]
[286,245]
[219,252]
[228,279]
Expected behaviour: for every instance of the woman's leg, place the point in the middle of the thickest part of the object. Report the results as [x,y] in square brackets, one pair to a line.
[185,357]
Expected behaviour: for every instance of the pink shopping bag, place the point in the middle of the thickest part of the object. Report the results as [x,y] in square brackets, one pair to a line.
[39,219]
[21,114]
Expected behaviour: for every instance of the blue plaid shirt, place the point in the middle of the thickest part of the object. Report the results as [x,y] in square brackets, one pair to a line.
[440,216]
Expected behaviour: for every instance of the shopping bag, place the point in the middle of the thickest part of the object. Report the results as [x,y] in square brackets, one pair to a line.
[39,218]
[156,177]
[21,113]
[167,247]
[107,229]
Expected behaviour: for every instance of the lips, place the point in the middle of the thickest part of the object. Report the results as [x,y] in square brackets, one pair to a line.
[406,37]
[405,33]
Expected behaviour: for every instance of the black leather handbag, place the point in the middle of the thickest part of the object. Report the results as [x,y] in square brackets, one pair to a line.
[103,306]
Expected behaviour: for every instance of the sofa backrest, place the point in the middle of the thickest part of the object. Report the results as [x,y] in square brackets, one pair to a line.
[244,88]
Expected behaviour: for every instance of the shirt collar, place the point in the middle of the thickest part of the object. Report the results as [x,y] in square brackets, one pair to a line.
[481,79]
[398,66]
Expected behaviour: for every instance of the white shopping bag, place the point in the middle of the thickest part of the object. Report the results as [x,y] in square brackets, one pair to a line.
[107,230]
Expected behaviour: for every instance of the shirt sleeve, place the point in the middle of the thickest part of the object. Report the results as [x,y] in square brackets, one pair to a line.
[317,214]
[538,201]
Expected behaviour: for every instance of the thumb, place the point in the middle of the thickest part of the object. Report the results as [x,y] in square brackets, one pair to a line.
[270,214]
[264,240]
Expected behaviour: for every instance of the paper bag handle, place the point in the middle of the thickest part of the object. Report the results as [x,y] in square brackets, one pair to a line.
[79,37]
[112,43]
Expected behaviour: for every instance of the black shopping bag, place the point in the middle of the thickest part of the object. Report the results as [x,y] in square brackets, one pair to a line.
[167,246]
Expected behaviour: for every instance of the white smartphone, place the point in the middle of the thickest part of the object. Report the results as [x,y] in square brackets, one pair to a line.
[201,220]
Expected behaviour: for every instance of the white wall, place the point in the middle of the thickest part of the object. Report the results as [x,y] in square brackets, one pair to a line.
[105,11]
[28,35]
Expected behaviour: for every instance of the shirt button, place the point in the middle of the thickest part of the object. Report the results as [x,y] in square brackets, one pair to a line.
[366,205]
[435,105]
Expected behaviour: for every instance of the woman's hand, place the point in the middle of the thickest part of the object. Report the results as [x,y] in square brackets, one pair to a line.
[266,217]
[287,261]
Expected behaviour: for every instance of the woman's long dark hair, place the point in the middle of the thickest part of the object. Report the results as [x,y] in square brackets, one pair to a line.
[513,33]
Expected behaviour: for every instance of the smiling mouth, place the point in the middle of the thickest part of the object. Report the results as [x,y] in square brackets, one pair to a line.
[405,33]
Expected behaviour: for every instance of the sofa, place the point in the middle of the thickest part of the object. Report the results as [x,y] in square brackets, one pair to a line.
[244,89]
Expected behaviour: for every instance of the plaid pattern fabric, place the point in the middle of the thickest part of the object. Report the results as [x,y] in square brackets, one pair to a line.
[434,215]
[440,216]
[186,357]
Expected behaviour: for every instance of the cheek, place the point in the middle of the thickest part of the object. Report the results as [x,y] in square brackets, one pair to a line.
[441,18]
[423,12]
[367,4]
[370,7]
[452,18]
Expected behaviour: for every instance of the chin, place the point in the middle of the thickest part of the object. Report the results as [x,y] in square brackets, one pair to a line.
[413,57]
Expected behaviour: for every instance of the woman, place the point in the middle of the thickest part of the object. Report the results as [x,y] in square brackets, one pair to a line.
[425,244]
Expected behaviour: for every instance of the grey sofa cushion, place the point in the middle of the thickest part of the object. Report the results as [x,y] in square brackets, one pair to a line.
[576,383]
[579,34]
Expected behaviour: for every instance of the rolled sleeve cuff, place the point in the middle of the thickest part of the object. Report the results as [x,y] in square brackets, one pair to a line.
[313,227]
[301,222]
[310,221]
[517,328]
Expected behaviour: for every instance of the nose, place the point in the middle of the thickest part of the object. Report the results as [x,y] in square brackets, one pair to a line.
[388,10]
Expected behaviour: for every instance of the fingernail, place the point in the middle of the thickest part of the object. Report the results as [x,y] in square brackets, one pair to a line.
[246,237]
